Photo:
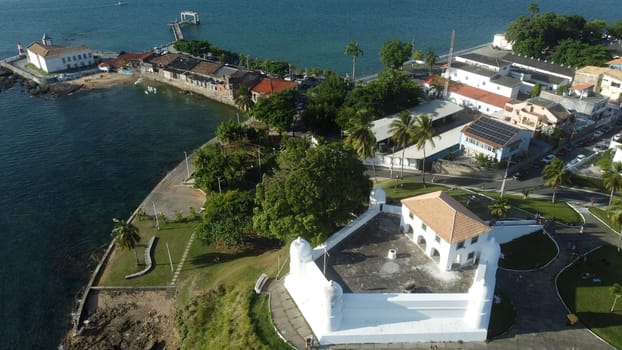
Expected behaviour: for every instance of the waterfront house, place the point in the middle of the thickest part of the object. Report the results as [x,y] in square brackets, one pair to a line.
[531,71]
[268,86]
[494,138]
[490,74]
[537,114]
[483,101]
[55,58]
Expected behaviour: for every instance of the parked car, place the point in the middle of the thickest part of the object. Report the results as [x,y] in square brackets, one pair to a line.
[598,133]
[617,137]
[519,175]
[580,157]
[606,129]
[548,158]
[599,147]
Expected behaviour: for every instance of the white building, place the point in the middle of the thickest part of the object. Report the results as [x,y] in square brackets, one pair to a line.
[53,58]
[485,73]
[494,138]
[444,229]
[337,317]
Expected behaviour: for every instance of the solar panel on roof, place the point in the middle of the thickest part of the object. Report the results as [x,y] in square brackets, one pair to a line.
[492,130]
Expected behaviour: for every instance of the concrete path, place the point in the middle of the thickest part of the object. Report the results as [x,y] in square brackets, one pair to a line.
[172,194]
[541,315]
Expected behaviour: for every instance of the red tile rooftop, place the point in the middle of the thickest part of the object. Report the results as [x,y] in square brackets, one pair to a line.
[615,61]
[273,85]
[582,86]
[479,94]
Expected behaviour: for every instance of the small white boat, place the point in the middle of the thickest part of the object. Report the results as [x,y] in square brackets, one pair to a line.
[121,3]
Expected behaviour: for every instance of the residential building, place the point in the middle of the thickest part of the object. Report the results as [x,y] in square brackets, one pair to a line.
[583,102]
[483,101]
[485,73]
[54,58]
[607,81]
[537,114]
[615,63]
[494,138]
[268,86]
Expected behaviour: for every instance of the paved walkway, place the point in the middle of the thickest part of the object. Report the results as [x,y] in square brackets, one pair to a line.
[540,322]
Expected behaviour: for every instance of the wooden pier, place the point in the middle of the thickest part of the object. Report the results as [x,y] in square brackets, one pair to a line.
[190,17]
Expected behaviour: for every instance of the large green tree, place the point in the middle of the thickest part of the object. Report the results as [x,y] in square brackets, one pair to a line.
[323,103]
[614,212]
[277,110]
[612,180]
[227,218]
[430,59]
[424,133]
[394,53]
[125,235]
[402,130]
[311,195]
[362,139]
[216,169]
[554,174]
[579,54]
[353,50]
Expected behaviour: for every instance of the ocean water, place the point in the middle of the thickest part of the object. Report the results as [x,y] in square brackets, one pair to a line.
[70,164]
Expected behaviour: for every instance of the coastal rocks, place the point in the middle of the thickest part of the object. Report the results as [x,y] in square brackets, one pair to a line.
[7,79]
[127,320]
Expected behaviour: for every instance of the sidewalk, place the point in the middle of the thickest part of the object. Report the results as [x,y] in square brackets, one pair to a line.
[540,320]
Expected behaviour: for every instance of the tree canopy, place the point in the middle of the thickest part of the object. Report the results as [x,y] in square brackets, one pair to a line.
[215,169]
[394,53]
[323,103]
[579,54]
[310,195]
[277,110]
[227,218]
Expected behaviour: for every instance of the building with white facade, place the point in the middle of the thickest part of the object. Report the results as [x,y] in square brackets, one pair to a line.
[607,81]
[494,138]
[338,316]
[54,58]
[485,73]
[479,100]
[584,102]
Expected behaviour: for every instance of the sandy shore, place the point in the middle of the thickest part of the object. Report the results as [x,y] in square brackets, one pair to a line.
[104,80]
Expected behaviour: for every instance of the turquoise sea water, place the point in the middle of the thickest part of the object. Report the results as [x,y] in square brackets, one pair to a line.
[70,164]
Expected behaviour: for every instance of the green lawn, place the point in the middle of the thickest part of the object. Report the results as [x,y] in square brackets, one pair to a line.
[591,300]
[123,262]
[400,189]
[558,210]
[602,214]
[539,245]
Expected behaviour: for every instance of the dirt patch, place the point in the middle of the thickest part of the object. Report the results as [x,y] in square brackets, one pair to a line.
[127,320]
[103,80]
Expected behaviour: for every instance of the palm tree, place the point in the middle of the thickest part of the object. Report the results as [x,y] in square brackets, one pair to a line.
[614,212]
[354,50]
[613,180]
[533,8]
[553,175]
[244,100]
[616,290]
[361,138]
[125,235]
[403,129]
[499,207]
[430,59]
[424,133]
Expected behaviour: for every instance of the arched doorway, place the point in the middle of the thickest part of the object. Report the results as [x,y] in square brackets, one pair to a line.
[435,255]
[421,242]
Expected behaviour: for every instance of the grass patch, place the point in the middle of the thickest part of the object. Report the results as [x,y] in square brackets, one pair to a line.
[584,181]
[602,214]
[397,190]
[560,211]
[502,317]
[539,245]
[38,70]
[263,324]
[123,262]
[590,300]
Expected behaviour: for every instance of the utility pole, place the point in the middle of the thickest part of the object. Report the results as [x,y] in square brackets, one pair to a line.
[449,58]
[187,166]
[507,168]
[155,215]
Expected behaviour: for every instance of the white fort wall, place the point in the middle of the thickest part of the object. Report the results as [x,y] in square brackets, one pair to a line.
[341,318]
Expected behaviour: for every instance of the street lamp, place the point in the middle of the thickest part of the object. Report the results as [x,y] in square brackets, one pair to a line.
[507,168]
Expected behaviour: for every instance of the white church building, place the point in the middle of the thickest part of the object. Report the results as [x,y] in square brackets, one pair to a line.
[450,235]
[54,58]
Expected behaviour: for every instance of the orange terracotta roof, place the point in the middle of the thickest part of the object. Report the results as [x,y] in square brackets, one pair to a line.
[479,94]
[582,86]
[615,61]
[446,216]
[270,86]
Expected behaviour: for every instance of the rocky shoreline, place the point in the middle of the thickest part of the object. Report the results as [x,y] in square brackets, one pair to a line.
[9,79]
